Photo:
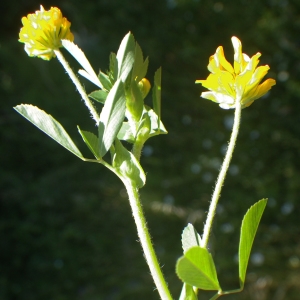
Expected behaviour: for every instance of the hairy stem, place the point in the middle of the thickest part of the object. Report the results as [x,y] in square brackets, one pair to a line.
[145,240]
[222,175]
[78,85]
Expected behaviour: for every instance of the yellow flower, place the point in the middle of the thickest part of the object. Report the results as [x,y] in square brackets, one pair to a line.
[43,31]
[241,82]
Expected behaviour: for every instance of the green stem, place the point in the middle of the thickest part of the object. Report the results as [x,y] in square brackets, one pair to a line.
[222,175]
[137,149]
[145,240]
[78,85]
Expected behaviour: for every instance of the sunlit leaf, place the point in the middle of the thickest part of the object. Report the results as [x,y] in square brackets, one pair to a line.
[49,125]
[197,268]
[248,230]
[125,56]
[111,117]
[190,237]
[125,133]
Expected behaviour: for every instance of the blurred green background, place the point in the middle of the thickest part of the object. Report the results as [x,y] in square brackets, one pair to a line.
[66,227]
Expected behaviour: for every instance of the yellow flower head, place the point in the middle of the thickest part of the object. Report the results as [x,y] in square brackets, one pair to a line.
[43,31]
[241,82]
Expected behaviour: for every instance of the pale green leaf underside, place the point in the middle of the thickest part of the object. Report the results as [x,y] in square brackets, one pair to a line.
[49,125]
[111,117]
[125,133]
[248,230]
[125,56]
[197,268]
[190,237]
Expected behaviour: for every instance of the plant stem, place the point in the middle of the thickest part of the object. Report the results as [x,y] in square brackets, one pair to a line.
[222,175]
[137,149]
[145,240]
[78,85]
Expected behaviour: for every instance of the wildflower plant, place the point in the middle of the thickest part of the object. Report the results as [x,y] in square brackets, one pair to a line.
[125,117]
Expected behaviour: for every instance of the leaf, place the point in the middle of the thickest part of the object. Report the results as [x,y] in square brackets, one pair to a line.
[91,141]
[155,129]
[125,56]
[113,67]
[135,102]
[127,165]
[140,66]
[156,94]
[197,268]
[248,230]
[77,53]
[49,125]
[190,237]
[187,293]
[105,81]
[99,95]
[125,133]
[111,117]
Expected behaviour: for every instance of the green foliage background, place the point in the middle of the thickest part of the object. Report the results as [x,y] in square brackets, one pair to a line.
[66,227]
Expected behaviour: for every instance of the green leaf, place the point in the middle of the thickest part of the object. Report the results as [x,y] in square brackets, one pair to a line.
[155,128]
[190,237]
[125,56]
[113,67]
[156,94]
[99,96]
[135,102]
[248,230]
[127,165]
[105,81]
[78,54]
[91,141]
[140,66]
[125,133]
[111,117]
[49,125]
[187,293]
[197,268]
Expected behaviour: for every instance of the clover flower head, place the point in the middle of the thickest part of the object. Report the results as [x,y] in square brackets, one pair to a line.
[240,82]
[43,31]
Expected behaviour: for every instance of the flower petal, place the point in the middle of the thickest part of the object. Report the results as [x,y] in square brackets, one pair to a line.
[260,91]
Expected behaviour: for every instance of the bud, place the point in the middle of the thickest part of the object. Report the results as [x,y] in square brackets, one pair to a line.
[144,86]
